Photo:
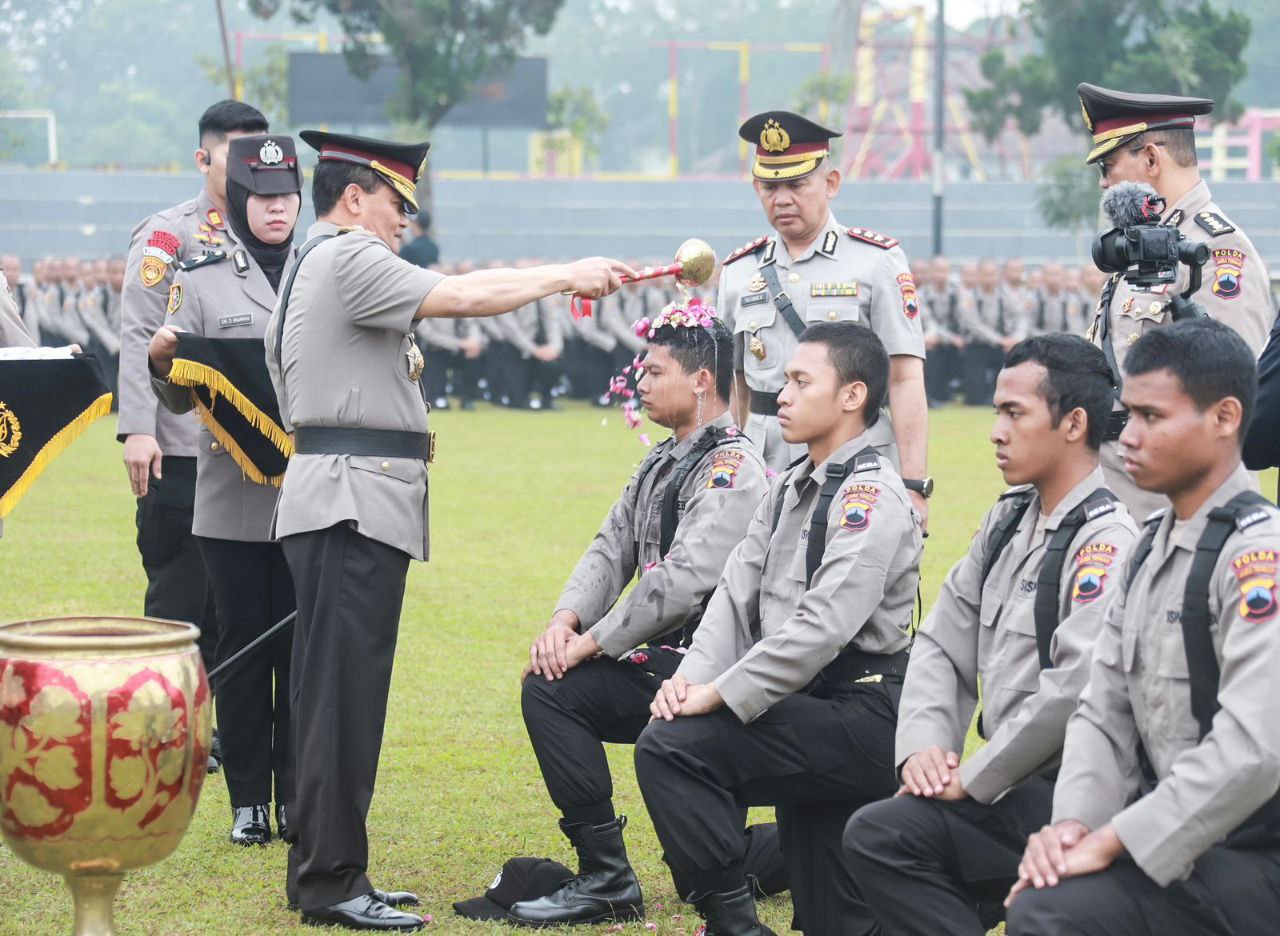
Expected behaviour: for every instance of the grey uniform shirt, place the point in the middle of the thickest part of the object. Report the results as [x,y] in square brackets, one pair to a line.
[719,496]
[987,316]
[218,301]
[1235,289]
[347,339]
[158,244]
[940,311]
[841,277]
[1052,312]
[448,334]
[1139,691]
[13,334]
[861,595]
[532,326]
[987,634]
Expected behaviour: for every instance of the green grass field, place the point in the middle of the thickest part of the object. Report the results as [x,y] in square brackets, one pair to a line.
[515,499]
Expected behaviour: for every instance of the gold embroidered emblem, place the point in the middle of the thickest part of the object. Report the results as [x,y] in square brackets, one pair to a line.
[10,431]
[756,347]
[416,362]
[773,138]
[756,284]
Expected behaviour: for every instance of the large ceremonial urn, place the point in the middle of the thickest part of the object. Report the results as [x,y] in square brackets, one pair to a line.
[104,737]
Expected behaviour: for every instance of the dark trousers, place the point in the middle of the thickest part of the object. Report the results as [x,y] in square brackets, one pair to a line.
[979,365]
[941,370]
[253,590]
[938,868]
[450,370]
[588,368]
[602,700]
[177,586]
[816,758]
[1231,892]
[349,589]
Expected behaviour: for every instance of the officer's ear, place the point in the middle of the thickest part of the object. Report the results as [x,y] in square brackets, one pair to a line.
[204,160]
[853,396]
[1075,424]
[833,181]
[1227,417]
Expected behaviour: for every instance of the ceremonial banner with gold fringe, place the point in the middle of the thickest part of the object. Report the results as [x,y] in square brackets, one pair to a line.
[44,406]
[236,401]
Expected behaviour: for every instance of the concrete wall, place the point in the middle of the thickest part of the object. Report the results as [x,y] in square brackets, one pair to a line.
[92,214]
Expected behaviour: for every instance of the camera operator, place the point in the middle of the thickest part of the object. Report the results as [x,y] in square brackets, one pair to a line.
[1150,138]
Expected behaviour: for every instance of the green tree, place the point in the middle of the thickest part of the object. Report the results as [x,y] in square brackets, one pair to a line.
[443,47]
[577,111]
[1143,44]
[1068,197]
[265,83]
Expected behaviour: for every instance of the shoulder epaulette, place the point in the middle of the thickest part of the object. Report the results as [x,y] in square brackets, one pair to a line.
[883,241]
[1214,223]
[868,462]
[742,251]
[1017,491]
[205,259]
[1246,520]
[1154,518]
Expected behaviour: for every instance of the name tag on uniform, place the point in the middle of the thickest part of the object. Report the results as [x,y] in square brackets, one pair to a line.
[754,298]
[823,290]
[231,321]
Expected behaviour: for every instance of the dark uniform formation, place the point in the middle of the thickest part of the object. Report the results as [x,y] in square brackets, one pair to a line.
[767,654]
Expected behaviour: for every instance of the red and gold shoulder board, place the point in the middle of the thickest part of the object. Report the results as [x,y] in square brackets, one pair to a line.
[883,241]
[750,248]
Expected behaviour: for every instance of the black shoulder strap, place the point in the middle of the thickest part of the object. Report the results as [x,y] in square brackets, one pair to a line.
[1143,548]
[866,459]
[1104,329]
[288,289]
[1202,661]
[651,461]
[671,496]
[1049,580]
[781,300]
[782,492]
[1002,533]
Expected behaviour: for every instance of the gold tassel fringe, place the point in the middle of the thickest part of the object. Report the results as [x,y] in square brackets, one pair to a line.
[237,454]
[52,449]
[191,374]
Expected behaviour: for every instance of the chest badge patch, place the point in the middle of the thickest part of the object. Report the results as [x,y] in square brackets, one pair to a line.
[755,284]
[724,470]
[910,303]
[858,502]
[1093,562]
[1228,267]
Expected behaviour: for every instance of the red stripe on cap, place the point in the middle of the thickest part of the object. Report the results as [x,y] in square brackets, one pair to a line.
[800,149]
[1106,126]
[404,169]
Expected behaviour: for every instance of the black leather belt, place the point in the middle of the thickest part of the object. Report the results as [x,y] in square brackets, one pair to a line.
[1116,421]
[854,665]
[764,404]
[380,443]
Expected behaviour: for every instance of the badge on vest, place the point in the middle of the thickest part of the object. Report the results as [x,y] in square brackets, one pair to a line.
[754,298]
[416,362]
[231,321]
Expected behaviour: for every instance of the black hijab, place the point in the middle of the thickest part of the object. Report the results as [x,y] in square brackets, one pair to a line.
[270,257]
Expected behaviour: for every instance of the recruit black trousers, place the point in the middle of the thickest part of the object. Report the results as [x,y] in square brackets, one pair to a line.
[350,589]
[177,585]
[602,700]
[253,590]
[1231,892]
[937,868]
[815,758]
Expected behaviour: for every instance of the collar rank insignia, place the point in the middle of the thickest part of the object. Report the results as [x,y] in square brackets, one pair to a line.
[829,244]
[1213,223]
[241,261]
[745,249]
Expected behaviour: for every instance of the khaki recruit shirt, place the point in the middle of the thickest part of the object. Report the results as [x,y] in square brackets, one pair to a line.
[1139,691]
[1235,289]
[159,244]
[861,595]
[987,634]
[842,277]
[719,497]
[230,298]
[348,343]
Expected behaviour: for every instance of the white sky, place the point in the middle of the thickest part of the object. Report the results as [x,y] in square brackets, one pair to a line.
[961,13]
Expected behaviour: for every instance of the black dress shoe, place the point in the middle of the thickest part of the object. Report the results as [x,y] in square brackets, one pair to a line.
[282,823]
[250,825]
[364,913]
[390,898]
[212,766]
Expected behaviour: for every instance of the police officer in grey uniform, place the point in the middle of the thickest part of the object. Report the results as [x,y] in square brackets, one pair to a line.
[990,323]
[13,333]
[230,295]
[813,269]
[452,348]
[1057,307]
[789,694]
[159,446]
[1165,811]
[596,667]
[943,332]
[1150,138]
[1018,616]
[353,506]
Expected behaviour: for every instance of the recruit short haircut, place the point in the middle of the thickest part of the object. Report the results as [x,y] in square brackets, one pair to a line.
[1179,143]
[857,354]
[697,348]
[231,117]
[331,179]
[1209,359]
[1077,376]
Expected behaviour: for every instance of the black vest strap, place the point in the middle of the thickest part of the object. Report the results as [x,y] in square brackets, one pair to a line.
[288,289]
[671,496]
[1049,580]
[1002,533]
[781,301]
[1104,329]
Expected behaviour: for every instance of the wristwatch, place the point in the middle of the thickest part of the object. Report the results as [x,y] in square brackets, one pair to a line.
[923,488]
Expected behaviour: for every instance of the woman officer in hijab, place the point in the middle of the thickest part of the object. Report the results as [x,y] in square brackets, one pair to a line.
[229,294]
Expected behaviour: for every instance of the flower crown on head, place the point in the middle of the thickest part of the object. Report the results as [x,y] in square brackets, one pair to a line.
[694,313]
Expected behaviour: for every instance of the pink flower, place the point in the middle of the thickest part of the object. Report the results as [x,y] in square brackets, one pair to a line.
[642,327]
[644,439]
[731,431]
[770,473]
[633,419]
[651,927]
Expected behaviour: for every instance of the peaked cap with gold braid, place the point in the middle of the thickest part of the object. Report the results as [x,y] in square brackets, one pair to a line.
[400,165]
[1116,117]
[788,146]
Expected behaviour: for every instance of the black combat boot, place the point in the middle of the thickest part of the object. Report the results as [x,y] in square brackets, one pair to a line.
[605,889]
[731,914]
